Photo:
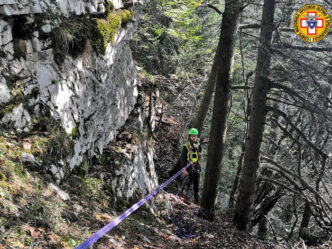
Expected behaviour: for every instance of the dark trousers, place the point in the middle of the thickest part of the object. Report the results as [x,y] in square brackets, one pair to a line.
[194,178]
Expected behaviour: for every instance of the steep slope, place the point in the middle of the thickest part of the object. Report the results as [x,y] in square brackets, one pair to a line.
[37,213]
[72,116]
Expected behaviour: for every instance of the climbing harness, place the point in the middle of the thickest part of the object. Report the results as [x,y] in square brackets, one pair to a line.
[192,151]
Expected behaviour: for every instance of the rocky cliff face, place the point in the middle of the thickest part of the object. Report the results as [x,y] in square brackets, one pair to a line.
[70,61]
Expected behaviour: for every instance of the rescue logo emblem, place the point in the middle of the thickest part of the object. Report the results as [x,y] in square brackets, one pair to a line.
[311,23]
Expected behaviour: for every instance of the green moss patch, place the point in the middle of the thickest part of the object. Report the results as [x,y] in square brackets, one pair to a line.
[74,35]
[13,102]
[60,146]
[109,7]
[127,16]
[17,97]
[7,109]
[105,31]
[74,132]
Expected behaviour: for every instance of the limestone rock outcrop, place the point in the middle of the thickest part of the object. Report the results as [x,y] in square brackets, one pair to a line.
[91,94]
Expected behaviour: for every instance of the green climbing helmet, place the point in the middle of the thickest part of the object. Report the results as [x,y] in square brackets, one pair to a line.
[193,131]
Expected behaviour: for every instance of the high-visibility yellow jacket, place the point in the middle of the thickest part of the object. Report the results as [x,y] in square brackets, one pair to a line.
[191,153]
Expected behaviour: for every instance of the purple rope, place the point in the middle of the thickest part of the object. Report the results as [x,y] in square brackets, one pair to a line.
[185,228]
[96,236]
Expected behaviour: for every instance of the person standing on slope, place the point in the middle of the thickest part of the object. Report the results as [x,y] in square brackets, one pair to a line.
[191,153]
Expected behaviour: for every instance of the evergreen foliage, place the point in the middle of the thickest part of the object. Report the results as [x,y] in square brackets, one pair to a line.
[173,38]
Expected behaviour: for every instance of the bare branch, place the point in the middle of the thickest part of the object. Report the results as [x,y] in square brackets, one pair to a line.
[328,2]
[291,178]
[250,26]
[257,26]
[300,194]
[284,115]
[317,49]
[241,87]
[307,105]
[281,184]
[298,62]
[212,7]
[296,219]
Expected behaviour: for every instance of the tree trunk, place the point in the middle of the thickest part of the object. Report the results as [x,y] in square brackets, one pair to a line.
[224,60]
[236,180]
[240,161]
[262,229]
[266,207]
[305,233]
[306,217]
[208,92]
[257,121]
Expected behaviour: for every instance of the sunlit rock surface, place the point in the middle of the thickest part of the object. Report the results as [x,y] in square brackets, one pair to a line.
[90,95]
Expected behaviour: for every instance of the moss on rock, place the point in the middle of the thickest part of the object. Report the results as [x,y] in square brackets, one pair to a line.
[109,6]
[106,30]
[127,16]
[7,109]
[72,35]
[74,132]
[16,99]
[59,147]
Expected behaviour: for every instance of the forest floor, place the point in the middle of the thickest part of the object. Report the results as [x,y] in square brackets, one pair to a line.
[162,234]
[37,213]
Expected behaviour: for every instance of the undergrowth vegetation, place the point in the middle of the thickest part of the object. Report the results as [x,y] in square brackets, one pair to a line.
[33,215]
[35,212]
[30,210]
